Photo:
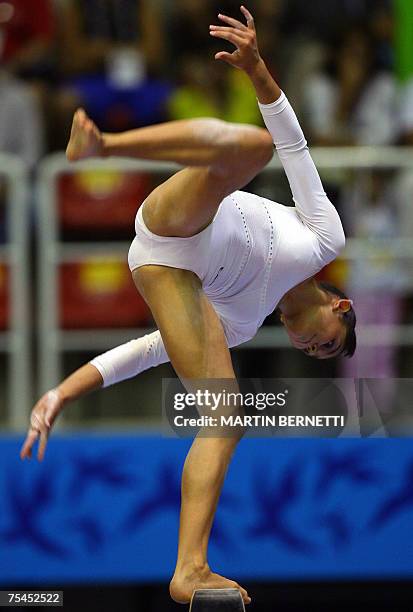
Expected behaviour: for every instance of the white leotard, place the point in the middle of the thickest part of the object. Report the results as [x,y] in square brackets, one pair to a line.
[252,253]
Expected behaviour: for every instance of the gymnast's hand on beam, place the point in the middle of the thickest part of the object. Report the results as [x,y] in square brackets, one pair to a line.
[246,56]
[42,418]
[85,138]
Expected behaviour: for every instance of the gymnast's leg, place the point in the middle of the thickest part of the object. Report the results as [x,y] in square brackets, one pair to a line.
[196,345]
[220,157]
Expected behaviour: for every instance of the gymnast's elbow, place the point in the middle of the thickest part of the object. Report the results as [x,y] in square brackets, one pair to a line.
[331,241]
[340,240]
[337,242]
[334,232]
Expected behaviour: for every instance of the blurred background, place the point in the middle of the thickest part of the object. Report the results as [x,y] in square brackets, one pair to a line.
[330,523]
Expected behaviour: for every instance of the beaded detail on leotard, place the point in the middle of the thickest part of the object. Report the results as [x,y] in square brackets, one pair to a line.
[270,257]
[248,239]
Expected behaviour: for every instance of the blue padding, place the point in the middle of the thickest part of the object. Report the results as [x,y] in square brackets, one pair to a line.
[105,508]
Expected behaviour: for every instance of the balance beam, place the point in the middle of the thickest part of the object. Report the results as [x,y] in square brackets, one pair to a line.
[217,600]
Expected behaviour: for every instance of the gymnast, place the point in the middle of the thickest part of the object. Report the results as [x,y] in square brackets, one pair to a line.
[212,262]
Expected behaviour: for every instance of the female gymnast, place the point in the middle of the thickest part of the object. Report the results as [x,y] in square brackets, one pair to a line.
[212,262]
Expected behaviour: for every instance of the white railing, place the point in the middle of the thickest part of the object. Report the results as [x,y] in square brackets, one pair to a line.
[54,341]
[14,254]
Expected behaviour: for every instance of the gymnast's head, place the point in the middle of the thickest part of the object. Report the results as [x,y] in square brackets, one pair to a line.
[325,328]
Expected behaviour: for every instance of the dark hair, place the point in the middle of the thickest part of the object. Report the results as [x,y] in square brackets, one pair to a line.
[349,320]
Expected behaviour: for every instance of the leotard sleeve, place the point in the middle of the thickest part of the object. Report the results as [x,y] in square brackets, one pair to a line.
[311,202]
[130,359]
[136,356]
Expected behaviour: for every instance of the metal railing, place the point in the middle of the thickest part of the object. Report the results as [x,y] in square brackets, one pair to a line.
[14,254]
[54,341]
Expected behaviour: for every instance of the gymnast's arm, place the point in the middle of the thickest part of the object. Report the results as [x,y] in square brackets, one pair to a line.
[118,364]
[114,366]
[312,204]
[130,359]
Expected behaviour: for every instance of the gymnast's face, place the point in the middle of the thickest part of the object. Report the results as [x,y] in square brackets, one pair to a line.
[319,331]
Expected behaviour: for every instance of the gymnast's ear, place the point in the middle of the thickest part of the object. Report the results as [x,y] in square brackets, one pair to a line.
[342,305]
[282,319]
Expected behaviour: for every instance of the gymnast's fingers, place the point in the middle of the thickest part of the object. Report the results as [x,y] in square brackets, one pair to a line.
[233,22]
[227,34]
[26,449]
[44,434]
[248,17]
[38,424]
[229,58]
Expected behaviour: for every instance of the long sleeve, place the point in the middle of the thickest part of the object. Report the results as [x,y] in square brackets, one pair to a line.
[312,204]
[130,359]
[136,356]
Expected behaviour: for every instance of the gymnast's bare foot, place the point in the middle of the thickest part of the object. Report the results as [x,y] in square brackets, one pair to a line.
[85,138]
[185,583]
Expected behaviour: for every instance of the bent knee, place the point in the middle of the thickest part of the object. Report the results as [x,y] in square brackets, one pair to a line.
[256,145]
[252,150]
[260,149]
[265,147]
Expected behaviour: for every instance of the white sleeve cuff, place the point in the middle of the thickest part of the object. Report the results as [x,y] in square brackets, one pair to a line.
[274,107]
[130,359]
